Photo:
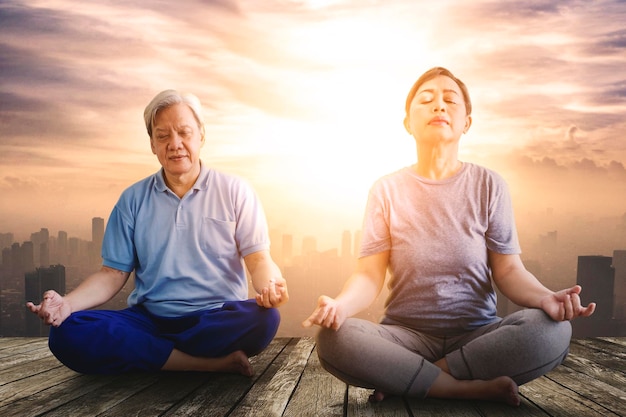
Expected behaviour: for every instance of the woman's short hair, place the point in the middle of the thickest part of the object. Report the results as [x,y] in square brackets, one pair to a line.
[429,75]
[168,98]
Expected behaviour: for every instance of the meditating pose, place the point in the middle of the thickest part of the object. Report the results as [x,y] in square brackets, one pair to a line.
[444,229]
[188,232]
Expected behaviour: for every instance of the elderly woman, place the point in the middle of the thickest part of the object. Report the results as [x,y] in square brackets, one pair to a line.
[444,229]
[188,232]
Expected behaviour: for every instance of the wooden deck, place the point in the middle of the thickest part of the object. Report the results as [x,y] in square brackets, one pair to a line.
[290,382]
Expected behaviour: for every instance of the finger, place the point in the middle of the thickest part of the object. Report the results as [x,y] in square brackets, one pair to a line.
[324,316]
[576,304]
[588,311]
[259,300]
[266,298]
[329,320]
[274,294]
[569,310]
[309,321]
[576,289]
[312,319]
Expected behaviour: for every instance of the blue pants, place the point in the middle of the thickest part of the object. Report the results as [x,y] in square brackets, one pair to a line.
[117,341]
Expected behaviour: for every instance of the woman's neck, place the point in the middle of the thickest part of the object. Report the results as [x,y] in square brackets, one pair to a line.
[437,162]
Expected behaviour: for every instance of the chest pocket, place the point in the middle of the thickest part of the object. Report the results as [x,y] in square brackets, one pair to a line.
[218,237]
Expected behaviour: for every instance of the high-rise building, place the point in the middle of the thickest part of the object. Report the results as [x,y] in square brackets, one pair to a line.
[62,248]
[619,285]
[596,275]
[35,284]
[97,234]
[97,231]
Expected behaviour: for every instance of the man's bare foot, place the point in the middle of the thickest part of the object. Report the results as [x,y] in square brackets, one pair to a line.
[236,363]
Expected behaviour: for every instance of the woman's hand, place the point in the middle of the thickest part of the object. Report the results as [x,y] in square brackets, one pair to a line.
[53,310]
[329,313]
[274,295]
[566,305]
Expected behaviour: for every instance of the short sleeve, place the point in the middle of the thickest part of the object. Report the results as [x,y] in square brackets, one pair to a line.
[118,249]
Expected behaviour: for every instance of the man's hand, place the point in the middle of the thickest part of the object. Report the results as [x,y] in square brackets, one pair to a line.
[53,310]
[565,305]
[327,314]
[274,295]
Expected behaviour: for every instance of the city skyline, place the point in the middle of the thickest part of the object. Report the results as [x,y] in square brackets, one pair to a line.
[311,271]
[305,99]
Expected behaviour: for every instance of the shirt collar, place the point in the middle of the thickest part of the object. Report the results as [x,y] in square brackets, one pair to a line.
[202,183]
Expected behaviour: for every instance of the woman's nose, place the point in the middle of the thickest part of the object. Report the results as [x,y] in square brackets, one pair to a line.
[439,105]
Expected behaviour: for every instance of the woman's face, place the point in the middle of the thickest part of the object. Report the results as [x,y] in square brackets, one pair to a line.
[176,140]
[437,112]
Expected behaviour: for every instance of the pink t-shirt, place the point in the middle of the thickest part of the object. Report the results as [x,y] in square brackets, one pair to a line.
[438,233]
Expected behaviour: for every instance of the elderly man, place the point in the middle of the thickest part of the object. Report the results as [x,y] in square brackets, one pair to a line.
[188,232]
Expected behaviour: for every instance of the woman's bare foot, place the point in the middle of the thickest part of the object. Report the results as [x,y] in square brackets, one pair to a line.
[502,389]
[377,396]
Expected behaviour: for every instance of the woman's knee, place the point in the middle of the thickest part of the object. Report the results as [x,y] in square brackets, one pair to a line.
[338,345]
[547,332]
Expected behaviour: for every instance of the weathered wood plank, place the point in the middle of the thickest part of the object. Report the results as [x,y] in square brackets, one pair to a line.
[6,342]
[604,359]
[154,400]
[38,344]
[493,409]
[603,345]
[221,394]
[617,340]
[558,395]
[105,397]
[271,393]
[55,396]
[612,398]
[27,370]
[318,393]
[442,408]
[22,388]
[358,405]
[593,364]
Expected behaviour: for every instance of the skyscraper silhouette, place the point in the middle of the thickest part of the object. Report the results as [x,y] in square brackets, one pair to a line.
[35,283]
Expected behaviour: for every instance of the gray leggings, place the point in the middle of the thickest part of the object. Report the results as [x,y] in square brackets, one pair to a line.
[398,360]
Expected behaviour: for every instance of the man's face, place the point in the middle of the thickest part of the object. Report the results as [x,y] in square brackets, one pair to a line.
[176,141]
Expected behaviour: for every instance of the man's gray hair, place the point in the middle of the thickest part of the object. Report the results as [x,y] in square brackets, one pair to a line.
[168,98]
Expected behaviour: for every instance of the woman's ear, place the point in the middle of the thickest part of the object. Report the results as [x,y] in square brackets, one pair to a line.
[468,123]
[407,125]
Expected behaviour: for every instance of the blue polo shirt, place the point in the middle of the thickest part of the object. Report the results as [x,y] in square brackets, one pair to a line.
[187,253]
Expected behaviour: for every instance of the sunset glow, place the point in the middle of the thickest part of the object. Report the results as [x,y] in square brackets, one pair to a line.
[305,99]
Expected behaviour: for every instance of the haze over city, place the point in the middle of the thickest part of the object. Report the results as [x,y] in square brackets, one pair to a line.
[305,99]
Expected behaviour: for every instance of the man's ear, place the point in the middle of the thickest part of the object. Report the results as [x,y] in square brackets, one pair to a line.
[152,147]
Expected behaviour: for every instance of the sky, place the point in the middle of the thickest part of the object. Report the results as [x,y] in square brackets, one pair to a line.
[305,99]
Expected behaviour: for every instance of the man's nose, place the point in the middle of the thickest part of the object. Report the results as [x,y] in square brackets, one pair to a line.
[175,141]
